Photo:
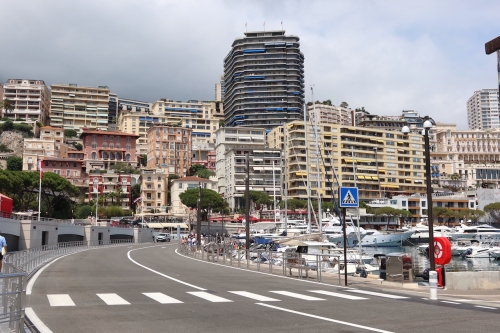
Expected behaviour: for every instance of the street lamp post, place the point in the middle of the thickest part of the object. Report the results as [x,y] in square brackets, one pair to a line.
[425,132]
[96,185]
[375,149]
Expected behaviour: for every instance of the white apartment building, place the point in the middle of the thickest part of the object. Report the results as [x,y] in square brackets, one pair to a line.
[227,138]
[264,174]
[77,107]
[331,114]
[35,149]
[482,110]
[31,99]
[179,186]
[153,190]
[219,89]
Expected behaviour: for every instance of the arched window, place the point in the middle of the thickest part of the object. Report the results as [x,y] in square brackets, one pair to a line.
[127,157]
[94,155]
[105,137]
[128,139]
[111,145]
[94,137]
[117,139]
[111,138]
[118,156]
[105,155]
[104,145]
[94,145]
[112,156]
[118,145]
[128,146]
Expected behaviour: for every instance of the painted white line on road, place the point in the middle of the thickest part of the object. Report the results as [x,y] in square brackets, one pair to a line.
[300,296]
[113,299]
[256,297]
[324,318]
[450,302]
[376,294]
[161,274]
[162,298]
[485,307]
[40,326]
[60,300]
[257,272]
[331,293]
[32,281]
[208,296]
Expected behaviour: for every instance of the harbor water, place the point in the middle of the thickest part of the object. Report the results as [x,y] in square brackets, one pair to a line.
[421,261]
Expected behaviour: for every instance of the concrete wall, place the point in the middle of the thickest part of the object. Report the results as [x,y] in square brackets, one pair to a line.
[143,235]
[472,280]
[32,233]
[92,234]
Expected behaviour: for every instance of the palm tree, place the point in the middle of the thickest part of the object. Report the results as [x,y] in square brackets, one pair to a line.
[6,105]
[456,177]
[118,195]
[112,196]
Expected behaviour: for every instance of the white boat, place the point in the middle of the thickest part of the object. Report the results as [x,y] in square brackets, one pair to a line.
[421,233]
[462,244]
[495,254]
[483,251]
[483,231]
[375,238]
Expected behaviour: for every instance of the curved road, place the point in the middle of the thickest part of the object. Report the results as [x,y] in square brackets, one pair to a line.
[151,288]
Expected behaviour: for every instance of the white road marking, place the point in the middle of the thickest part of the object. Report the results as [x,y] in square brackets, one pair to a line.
[60,300]
[376,294]
[330,293]
[449,302]
[425,299]
[485,307]
[113,299]
[161,274]
[466,300]
[324,318]
[162,298]
[300,296]
[208,296]
[40,326]
[255,296]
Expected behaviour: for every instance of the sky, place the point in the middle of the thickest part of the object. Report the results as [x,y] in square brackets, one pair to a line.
[386,56]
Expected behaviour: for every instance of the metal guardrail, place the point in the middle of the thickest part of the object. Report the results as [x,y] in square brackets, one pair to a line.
[266,261]
[18,267]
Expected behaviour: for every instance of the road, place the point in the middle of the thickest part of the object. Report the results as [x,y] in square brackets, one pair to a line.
[151,288]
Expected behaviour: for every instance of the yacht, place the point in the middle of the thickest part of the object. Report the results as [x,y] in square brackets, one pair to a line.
[375,238]
[421,233]
[483,231]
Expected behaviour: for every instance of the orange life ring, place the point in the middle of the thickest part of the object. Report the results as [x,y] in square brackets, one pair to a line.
[442,250]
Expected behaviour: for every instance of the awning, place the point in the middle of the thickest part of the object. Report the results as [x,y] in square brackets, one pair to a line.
[381,171]
[382,141]
[240,188]
[245,137]
[174,225]
[258,168]
[361,177]
[374,177]
[408,180]
[389,186]
[418,182]
[258,159]
[301,173]
[155,225]
[400,142]
[348,160]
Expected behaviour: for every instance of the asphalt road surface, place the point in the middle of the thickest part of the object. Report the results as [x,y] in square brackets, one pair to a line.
[151,288]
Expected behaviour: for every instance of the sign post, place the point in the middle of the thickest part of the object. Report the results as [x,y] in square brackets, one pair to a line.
[348,198]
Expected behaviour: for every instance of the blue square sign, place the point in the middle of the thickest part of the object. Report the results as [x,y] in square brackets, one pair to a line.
[349,197]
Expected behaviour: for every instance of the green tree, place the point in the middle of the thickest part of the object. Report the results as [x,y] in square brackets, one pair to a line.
[327,102]
[124,168]
[78,146]
[205,173]
[136,193]
[15,163]
[144,159]
[70,133]
[195,168]
[8,125]
[493,210]
[209,199]
[442,213]
[221,123]
[4,149]
[56,188]
[6,105]
[83,212]
[369,209]
[387,211]
[260,200]
[344,105]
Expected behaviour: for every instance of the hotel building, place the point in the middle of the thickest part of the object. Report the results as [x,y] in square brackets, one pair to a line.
[482,110]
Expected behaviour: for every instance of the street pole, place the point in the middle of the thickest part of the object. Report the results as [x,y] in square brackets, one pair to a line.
[345,244]
[247,203]
[198,216]
[378,175]
[96,184]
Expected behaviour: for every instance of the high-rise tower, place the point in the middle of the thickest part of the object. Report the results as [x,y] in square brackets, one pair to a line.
[264,80]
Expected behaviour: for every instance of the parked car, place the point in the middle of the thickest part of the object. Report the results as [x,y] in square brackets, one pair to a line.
[163,237]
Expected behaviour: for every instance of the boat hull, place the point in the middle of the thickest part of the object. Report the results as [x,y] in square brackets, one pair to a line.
[386,239]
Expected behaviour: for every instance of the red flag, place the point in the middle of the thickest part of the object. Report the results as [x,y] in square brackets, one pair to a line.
[41,169]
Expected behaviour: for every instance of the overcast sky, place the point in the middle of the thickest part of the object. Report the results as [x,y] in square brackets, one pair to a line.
[387,55]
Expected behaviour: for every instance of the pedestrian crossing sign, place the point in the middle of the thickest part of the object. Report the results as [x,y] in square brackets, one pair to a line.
[349,197]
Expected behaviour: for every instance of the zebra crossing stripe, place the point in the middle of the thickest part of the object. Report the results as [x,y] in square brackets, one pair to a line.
[330,293]
[162,298]
[208,296]
[299,296]
[255,296]
[376,294]
[60,300]
[112,299]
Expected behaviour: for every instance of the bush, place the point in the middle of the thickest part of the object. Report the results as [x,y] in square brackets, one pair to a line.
[69,133]
[111,211]
[15,163]
[5,149]
[83,212]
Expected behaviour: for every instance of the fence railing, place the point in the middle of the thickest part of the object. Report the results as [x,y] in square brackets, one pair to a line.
[268,261]
[18,267]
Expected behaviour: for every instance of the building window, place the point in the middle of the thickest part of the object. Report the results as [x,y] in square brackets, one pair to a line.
[117,139]
[128,139]
[127,157]
[105,137]
[128,146]
[94,137]
[94,145]
[94,155]
[111,138]
[180,185]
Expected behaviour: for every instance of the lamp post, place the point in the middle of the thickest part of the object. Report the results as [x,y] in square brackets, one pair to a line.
[425,132]
[96,185]
[375,149]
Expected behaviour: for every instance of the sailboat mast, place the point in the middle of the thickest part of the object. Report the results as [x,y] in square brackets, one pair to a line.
[308,186]
[318,166]
[285,146]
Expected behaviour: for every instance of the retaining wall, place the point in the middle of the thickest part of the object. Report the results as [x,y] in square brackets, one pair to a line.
[472,280]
